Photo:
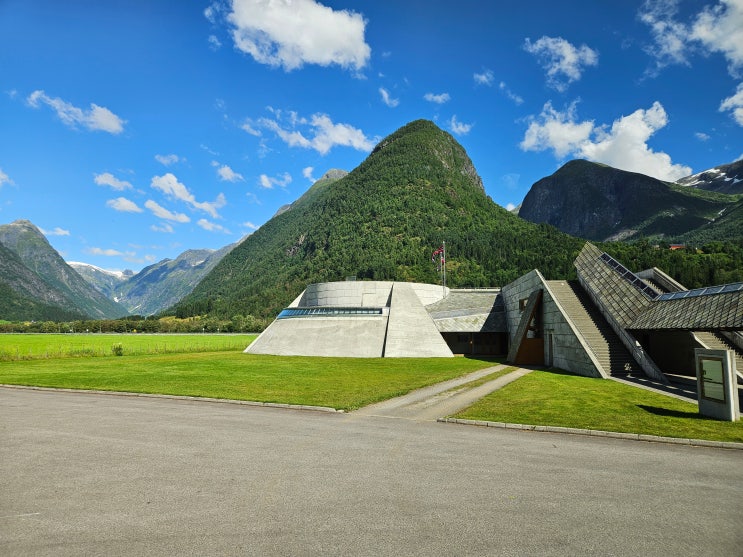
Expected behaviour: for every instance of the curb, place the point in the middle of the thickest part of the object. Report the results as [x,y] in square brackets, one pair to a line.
[599,433]
[326,409]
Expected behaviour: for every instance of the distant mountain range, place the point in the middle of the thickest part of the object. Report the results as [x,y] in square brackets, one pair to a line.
[37,284]
[417,189]
[598,202]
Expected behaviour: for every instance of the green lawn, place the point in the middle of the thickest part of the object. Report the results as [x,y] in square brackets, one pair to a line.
[343,383]
[37,346]
[561,399]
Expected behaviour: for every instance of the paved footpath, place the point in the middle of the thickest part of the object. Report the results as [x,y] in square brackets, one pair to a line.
[90,474]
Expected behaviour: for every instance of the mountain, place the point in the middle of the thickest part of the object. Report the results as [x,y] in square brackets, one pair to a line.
[103,280]
[598,202]
[165,283]
[727,178]
[382,221]
[38,273]
[328,178]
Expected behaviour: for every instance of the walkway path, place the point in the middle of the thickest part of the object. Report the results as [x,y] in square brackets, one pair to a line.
[441,399]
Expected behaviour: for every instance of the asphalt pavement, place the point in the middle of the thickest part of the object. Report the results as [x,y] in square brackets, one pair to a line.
[89,474]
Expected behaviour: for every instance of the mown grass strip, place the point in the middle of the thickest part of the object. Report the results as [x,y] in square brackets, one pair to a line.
[52,346]
[341,383]
[560,399]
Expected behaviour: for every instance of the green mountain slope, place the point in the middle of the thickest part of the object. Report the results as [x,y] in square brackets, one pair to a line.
[59,284]
[382,221]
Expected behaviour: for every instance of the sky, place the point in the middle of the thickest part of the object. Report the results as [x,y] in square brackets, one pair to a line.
[131,131]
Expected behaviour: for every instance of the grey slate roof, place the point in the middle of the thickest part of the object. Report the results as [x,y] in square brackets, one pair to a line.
[470,310]
[713,312]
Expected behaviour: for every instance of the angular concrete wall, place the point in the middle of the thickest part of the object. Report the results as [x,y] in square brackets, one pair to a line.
[411,331]
[568,352]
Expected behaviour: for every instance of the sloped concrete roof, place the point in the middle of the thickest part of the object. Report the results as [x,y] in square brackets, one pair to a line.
[470,310]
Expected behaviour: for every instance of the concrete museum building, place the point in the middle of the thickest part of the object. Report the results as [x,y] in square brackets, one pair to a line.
[610,322]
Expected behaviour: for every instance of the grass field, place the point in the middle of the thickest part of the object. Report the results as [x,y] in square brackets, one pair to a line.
[561,399]
[45,346]
[342,383]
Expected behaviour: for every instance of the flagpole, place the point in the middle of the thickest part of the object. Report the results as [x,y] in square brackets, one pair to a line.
[443,244]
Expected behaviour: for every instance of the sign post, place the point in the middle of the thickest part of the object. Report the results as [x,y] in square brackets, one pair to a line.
[717,384]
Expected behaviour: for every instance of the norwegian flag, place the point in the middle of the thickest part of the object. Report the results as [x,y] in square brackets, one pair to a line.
[439,252]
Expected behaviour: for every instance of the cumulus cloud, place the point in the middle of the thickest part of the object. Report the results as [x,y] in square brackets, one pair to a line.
[167,160]
[282,181]
[440,98]
[307,173]
[248,127]
[717,28]
[170,186]
[164,227]
[108,179]
[484,78]
[214,42]
[291,33]
[226,174]
[57,231]
[123,205]
[720,29]
[734,104]
[387,99]
[623,145]
[249,225]
[4,178]
[97,118]
[322,134]
[161,212]
[212,227]
[563,62]
[458,127]
[701,136]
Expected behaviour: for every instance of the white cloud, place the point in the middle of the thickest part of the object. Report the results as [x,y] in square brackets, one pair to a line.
[510,207]
[323,132]
[226,174]
[669,35]
[248,127]
[291,33]
[510,94]
[214,42]
[167,160]
[720,29]
[98,118]
[484,78]
[161,212]
[563,62]
[623,146]
[386,99]
[123,205]
[307,173]
[717,28]
[734,104]
[701,136]
[4,178]
[108,179]
[281,181]
[557,131]
[170,186]
[440,98]
[108,252]
[212,227]
[164,227]
[57,231]
[250,225]
[459,128]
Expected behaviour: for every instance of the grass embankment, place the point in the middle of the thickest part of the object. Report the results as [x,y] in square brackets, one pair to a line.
[560,399]
[342,383]
[46,346]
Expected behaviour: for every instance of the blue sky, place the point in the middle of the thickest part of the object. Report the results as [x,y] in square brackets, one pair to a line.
[132,131]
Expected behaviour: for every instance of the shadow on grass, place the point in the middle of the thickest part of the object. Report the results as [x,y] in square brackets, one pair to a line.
[490,359]
[671,413]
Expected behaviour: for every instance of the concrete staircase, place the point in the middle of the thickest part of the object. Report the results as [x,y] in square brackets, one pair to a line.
[715,342]
[612,355]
